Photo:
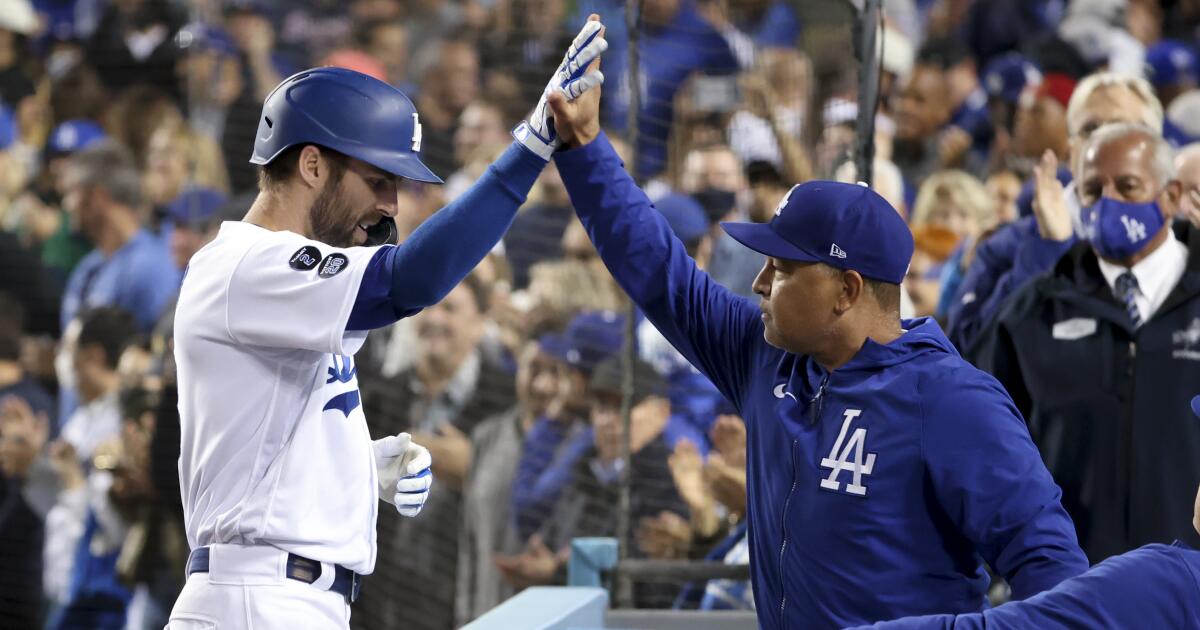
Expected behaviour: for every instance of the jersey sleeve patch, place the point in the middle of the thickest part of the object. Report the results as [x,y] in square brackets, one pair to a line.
[333,265]
[306,258]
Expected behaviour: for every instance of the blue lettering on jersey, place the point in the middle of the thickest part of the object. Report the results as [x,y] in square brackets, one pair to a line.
[344,402]
[342,370]
[341,374]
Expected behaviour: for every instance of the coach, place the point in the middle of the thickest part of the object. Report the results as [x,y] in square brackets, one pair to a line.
[883,469]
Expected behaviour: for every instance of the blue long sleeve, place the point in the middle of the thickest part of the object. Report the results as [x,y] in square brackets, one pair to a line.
[715,329]
[445,248]
[989,476]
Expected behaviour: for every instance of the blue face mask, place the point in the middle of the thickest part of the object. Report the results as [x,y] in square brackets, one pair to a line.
[1118,230]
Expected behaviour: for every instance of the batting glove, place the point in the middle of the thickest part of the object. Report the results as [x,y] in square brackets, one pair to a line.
[572,79]
[404,474]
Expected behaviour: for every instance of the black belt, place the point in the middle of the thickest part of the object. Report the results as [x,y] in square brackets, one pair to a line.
[346,583]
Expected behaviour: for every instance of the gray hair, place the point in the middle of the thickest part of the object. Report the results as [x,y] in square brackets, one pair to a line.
[1164,155]
[110,166]
[1152,117]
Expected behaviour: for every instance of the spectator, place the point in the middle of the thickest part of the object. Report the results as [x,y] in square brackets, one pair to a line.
[1187,171]
[557,440]
[1004,187]
[527,52]
[968,100]
[1076,348]
[481,130]
[129,268]
[136,114]
[585,508]
[1032,245]
[16,82]
[776,96]
[714,177]
[25,410]
[209,71]
[487,525]
[1040,124]
[179,158]
[134,44]
[447,89]
[450,389]
[195,219]
[387,41]
[83,531]
[312,29]
[675,42]
[1004,78]
[922,108]
[1172,69]
[767,187]
[261,68]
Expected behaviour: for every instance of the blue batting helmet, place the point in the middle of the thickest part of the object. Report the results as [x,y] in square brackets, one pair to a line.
[346,111]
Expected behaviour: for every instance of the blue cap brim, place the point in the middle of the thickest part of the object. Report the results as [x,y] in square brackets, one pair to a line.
[1196,406]
[764,240]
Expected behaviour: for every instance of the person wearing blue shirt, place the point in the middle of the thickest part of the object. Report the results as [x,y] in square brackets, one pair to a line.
[129,268]
[883,471]
[1155,586]
[674,42]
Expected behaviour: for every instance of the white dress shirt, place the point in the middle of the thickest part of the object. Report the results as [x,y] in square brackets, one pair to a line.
[1157,274]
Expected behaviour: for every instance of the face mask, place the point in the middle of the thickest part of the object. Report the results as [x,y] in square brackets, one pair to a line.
[716,202]
[1118,230]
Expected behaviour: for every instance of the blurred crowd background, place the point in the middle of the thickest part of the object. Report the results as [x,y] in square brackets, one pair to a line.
[125,132]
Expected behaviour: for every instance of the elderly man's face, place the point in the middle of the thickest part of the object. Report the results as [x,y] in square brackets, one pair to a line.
[1121,170]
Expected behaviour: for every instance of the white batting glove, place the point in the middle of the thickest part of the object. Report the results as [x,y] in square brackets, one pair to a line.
[404,473]
[572,79]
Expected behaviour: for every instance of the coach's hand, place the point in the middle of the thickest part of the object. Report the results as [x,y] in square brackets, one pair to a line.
[404,472]
[576,75]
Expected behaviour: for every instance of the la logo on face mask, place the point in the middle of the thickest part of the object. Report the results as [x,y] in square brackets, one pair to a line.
[1134,228]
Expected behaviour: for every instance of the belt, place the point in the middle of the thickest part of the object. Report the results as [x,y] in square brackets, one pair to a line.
[346,583]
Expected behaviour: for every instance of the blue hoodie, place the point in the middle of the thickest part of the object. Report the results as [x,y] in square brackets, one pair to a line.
[874,492]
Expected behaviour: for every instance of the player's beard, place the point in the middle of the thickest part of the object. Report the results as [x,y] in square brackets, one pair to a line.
[331,217]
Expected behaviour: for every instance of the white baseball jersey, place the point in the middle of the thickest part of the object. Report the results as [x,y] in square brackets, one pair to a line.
[275,446]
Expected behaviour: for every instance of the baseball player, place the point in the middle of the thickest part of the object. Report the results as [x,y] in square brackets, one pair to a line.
[278,474]
[1154,586]
[883,470]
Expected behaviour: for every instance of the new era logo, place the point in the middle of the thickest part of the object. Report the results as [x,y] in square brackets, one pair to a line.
[836,252]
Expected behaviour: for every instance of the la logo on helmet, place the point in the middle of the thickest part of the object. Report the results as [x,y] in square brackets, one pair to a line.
[416,139]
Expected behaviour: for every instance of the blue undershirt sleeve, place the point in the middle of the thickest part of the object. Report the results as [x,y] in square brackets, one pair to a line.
[404,279]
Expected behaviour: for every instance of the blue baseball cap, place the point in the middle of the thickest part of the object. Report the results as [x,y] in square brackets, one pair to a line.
[1169,62]
[73,135]
[685,216]
[589,339]
[847,226]
[196,207]
[1006,76]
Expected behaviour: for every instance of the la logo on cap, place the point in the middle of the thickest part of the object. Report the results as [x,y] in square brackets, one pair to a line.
[784,201]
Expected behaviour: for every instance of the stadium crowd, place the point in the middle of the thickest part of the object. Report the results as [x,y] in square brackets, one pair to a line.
[125,130]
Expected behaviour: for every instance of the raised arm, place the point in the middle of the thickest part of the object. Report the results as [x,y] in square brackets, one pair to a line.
[713,327]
